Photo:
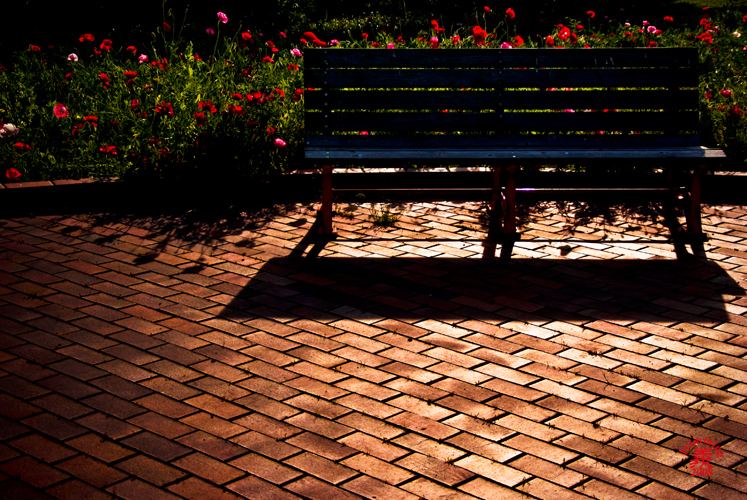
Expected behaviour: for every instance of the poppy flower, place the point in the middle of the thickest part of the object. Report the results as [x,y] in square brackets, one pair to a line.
[564,33]
[93,120]
[247,37]
[271,130]
[35,48]
[86,37]
[76,128]
[479,35]
[510,13]
[12,174]
[518,41]
[365,36]
[298,95]
[670,19]
[60,111]
[135,103]
[505,45]
[104,80]
[222,17]
[333,42]
[165,109]
[549,40]
[726,93]
[436,28]
[106,45]
[167,27]
[130,74]
[21,146]
[293,67]
[455,39]
[279,143]
[210,31]
[112,150]
[487,9]
[590,13]
[143,58]
[72,57]
[296,53]
[132,49]
[268,59]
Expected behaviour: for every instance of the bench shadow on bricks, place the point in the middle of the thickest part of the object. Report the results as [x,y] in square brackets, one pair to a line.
[452,290]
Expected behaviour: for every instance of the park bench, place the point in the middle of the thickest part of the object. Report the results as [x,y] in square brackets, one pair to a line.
[629,110]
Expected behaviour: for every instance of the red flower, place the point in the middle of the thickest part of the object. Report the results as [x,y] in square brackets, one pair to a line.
[247,37]
[76,128]
[167,27]
[670,19]
[106,45]
[268,60]
[165,109]
[111,150]
[434,24]
[293,67]
[238,96]
[130,74]
[705,37]
[518,41]
[549,40]
[200,118]
[590,13]
[479,35]
[298,95]
[235,110]
[271,130]
[12,174]
[510,13]
[132,49]
[104,80]
[311,37]
[487,9]
[87,37]
[21,146]
[93,120]
[209,105]
[135,103]
[34,48]
[564,33]
[365,36]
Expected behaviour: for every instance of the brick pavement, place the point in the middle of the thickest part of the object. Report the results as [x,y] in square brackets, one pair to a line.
[164,357]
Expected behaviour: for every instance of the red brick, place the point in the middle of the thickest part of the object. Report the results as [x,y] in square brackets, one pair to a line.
[42,448]
[77,490]
[321,468]
[255,488]
[91,471]
[547,470]
[161,425]
[195,489]
[373,446]
[213,425]
[99,447]
[265,445]
[155,446]
[369,487]
[32,472]
[208,468]
[135,489]
[211,445]
[166,406]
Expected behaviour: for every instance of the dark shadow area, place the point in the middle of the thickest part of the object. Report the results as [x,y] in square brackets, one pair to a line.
[455,289]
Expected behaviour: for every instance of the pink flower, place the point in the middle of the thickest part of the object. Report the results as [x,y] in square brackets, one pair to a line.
[434,39]
[505,45]
[143,58]
[296,52]
[709,94]
[222,17]
[279,143]
[60,111]
[364,133]
[283,34]
[390,46]
[645,23]
[333,42]
[210,31]
[72,57]
[726,93]
[651,29]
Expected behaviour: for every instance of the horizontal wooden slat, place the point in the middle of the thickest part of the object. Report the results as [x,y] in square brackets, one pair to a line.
[476,122]
[509,99]
[557,141]
[517,155]
[510,78]
[494,58]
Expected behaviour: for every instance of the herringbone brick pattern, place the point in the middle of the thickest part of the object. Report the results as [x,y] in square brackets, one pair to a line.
[161,358]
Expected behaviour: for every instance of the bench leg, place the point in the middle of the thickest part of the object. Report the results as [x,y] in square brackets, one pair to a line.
[694,224]
[509,214]
[326,212]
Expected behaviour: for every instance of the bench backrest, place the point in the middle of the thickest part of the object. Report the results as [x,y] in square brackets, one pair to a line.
[532,97]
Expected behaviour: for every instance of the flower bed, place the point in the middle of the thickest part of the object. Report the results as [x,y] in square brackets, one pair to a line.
[233,108]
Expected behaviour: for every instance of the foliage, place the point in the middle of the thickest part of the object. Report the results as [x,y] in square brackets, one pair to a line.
[230,104]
